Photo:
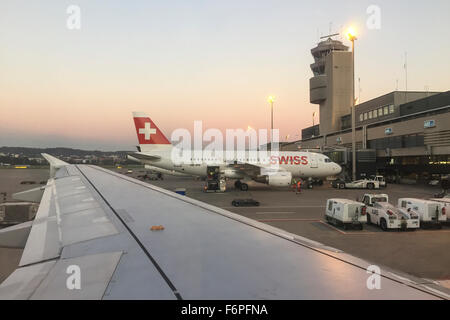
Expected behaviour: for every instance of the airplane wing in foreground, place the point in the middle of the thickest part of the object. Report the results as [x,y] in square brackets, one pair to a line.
[102,235]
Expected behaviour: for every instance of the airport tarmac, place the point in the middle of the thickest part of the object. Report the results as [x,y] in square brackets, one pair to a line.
[423,253]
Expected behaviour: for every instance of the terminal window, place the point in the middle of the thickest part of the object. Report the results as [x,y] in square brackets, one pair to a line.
[386,110]
[361,117]
[391,108]
[375,113]
[380,112]
[370,114]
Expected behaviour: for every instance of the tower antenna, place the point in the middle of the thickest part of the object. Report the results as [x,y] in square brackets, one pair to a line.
[406,76]
[329,35]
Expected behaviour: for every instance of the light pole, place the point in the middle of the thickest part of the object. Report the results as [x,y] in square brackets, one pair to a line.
[352,37]
[271,100]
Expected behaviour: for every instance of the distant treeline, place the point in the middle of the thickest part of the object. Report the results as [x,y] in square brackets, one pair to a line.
[66,152]
[15,161]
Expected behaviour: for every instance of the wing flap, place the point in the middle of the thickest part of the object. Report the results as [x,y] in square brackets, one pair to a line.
[21,284]
[43,243]
[94,273]
[85,225]
[68,213]
[15,236]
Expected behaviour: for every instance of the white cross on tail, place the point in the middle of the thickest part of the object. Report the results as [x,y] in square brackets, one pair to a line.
[147,131]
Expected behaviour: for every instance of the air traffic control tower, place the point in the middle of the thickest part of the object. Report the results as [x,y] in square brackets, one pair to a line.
[331,86]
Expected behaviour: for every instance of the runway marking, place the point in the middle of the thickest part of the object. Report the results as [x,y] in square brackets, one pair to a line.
[315,220]
[379,232]
[287,220]
[274,212]
[425,232]
[332,227]
[274,207]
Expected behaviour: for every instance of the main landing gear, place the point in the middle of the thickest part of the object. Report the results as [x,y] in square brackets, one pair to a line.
[240,185]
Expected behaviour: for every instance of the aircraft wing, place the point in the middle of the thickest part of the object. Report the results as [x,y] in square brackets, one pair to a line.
[102,235]
[143,156]
[253,170]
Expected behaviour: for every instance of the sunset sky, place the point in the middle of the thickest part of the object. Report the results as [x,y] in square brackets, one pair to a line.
[181,61]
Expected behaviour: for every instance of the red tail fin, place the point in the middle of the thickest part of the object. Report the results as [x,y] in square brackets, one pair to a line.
[147,131]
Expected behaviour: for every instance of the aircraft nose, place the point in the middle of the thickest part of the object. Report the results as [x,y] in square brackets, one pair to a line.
[338,168]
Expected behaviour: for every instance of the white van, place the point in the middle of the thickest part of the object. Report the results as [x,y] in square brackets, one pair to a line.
[346,212]
[380,180]
[430,212]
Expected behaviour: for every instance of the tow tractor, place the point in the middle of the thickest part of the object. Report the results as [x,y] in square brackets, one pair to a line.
[380,212]
[214,182]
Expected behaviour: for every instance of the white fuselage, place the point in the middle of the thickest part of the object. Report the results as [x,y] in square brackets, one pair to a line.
[299,164]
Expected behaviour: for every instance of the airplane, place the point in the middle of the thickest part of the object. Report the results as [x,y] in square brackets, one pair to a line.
[156,150]
[100,235]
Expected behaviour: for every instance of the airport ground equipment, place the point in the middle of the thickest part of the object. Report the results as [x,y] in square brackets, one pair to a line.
[346,213]
[446,201]
[338,183]
[245,203]
[27,182]
[214,181]
[387,216]
[360,184]
[12,213]
[152,176]
[380,179]
[181,191]
[431,213]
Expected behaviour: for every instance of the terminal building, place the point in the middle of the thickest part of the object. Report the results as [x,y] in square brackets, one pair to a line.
[402,135]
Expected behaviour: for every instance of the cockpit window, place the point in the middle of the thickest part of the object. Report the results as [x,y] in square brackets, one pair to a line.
[327,160]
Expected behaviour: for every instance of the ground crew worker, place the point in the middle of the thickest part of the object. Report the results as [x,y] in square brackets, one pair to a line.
[294,185]
[299,186]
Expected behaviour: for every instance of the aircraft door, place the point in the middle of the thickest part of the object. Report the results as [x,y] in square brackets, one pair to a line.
[313,161]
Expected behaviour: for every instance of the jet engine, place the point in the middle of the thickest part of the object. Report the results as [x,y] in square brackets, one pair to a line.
[277,179]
